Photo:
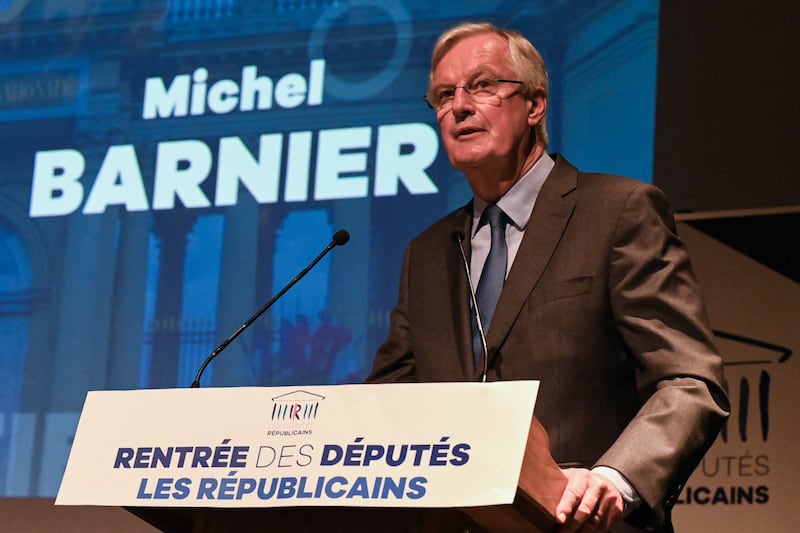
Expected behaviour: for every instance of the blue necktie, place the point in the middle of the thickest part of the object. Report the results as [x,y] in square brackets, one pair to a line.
[493,275]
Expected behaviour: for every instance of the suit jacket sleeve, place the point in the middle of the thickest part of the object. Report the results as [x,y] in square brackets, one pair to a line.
[394,360]
[658,310]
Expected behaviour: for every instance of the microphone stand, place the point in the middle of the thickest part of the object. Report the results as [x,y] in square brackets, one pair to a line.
[458,237]
[339,238]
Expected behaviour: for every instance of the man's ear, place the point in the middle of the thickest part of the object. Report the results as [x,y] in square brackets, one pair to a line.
[537,106]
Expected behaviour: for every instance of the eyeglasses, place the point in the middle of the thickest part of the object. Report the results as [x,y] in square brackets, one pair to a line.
[481,91]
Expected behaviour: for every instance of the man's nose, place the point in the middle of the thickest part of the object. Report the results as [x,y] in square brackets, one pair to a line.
[462,105]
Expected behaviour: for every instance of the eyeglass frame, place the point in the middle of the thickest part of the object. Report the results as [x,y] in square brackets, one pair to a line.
[468,91]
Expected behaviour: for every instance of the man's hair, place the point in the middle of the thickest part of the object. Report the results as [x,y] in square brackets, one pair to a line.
[525,60]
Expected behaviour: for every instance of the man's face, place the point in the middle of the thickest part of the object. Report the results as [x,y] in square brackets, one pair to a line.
[489,135]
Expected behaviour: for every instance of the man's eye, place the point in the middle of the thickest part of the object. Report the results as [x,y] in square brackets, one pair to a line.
[444,94]
[483,85]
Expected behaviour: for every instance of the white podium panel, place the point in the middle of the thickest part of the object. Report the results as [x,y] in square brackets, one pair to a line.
[399,445]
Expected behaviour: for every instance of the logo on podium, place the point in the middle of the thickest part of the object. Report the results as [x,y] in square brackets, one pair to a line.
[296,406]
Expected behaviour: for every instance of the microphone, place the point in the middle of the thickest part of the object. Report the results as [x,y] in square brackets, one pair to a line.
[458,237]
[339,238]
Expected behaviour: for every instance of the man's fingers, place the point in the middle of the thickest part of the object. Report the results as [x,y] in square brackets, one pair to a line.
[609,509]
[587,507]
[590,502]
[572,496]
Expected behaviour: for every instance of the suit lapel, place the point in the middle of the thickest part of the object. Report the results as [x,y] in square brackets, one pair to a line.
[546,226]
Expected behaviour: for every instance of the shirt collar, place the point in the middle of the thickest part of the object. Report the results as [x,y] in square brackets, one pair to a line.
[517,203]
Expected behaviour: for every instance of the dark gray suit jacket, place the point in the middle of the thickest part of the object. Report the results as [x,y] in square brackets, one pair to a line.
[602,306]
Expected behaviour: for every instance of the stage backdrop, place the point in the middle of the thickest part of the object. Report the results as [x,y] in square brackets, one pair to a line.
[747,480]
[168,165]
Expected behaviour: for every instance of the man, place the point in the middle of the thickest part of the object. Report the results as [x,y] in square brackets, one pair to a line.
[599,301]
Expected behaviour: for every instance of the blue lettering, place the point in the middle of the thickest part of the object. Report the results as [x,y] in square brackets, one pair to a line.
[460,455]
[263,494]
[142,494]
[287,487]
[124,456]
[246,486]
[373,453]
[163,487]
[416,487]
[201,456]
[182,488]
[419,449]
[221,455]
[319,487]
[226,487]
[142,457]
[182,451]
[376,489]
[391,485]
[353,453]
[331,454]
[439,454]
[206,489]
[160,456]
[359,489]
[301,489]
[391,460]
[239,456]
[331,492]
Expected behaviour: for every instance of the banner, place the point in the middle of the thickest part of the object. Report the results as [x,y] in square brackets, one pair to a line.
[747,480]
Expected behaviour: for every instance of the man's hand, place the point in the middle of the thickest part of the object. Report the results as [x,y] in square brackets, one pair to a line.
[590,503]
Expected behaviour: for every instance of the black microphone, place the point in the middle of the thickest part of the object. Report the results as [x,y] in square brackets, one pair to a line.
[339,238]
[458,236]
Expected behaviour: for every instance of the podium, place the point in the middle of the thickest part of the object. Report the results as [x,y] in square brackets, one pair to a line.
[540,486]
[531,506]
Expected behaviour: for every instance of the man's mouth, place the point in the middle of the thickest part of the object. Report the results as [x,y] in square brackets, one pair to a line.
[466,132]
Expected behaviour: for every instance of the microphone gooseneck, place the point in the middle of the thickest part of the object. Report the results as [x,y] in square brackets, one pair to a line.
[458,237]
[339,238]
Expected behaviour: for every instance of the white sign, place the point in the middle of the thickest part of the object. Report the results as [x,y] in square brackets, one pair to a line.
[748,479]
[399,445]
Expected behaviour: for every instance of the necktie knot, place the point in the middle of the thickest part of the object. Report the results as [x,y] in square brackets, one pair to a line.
[495,216]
